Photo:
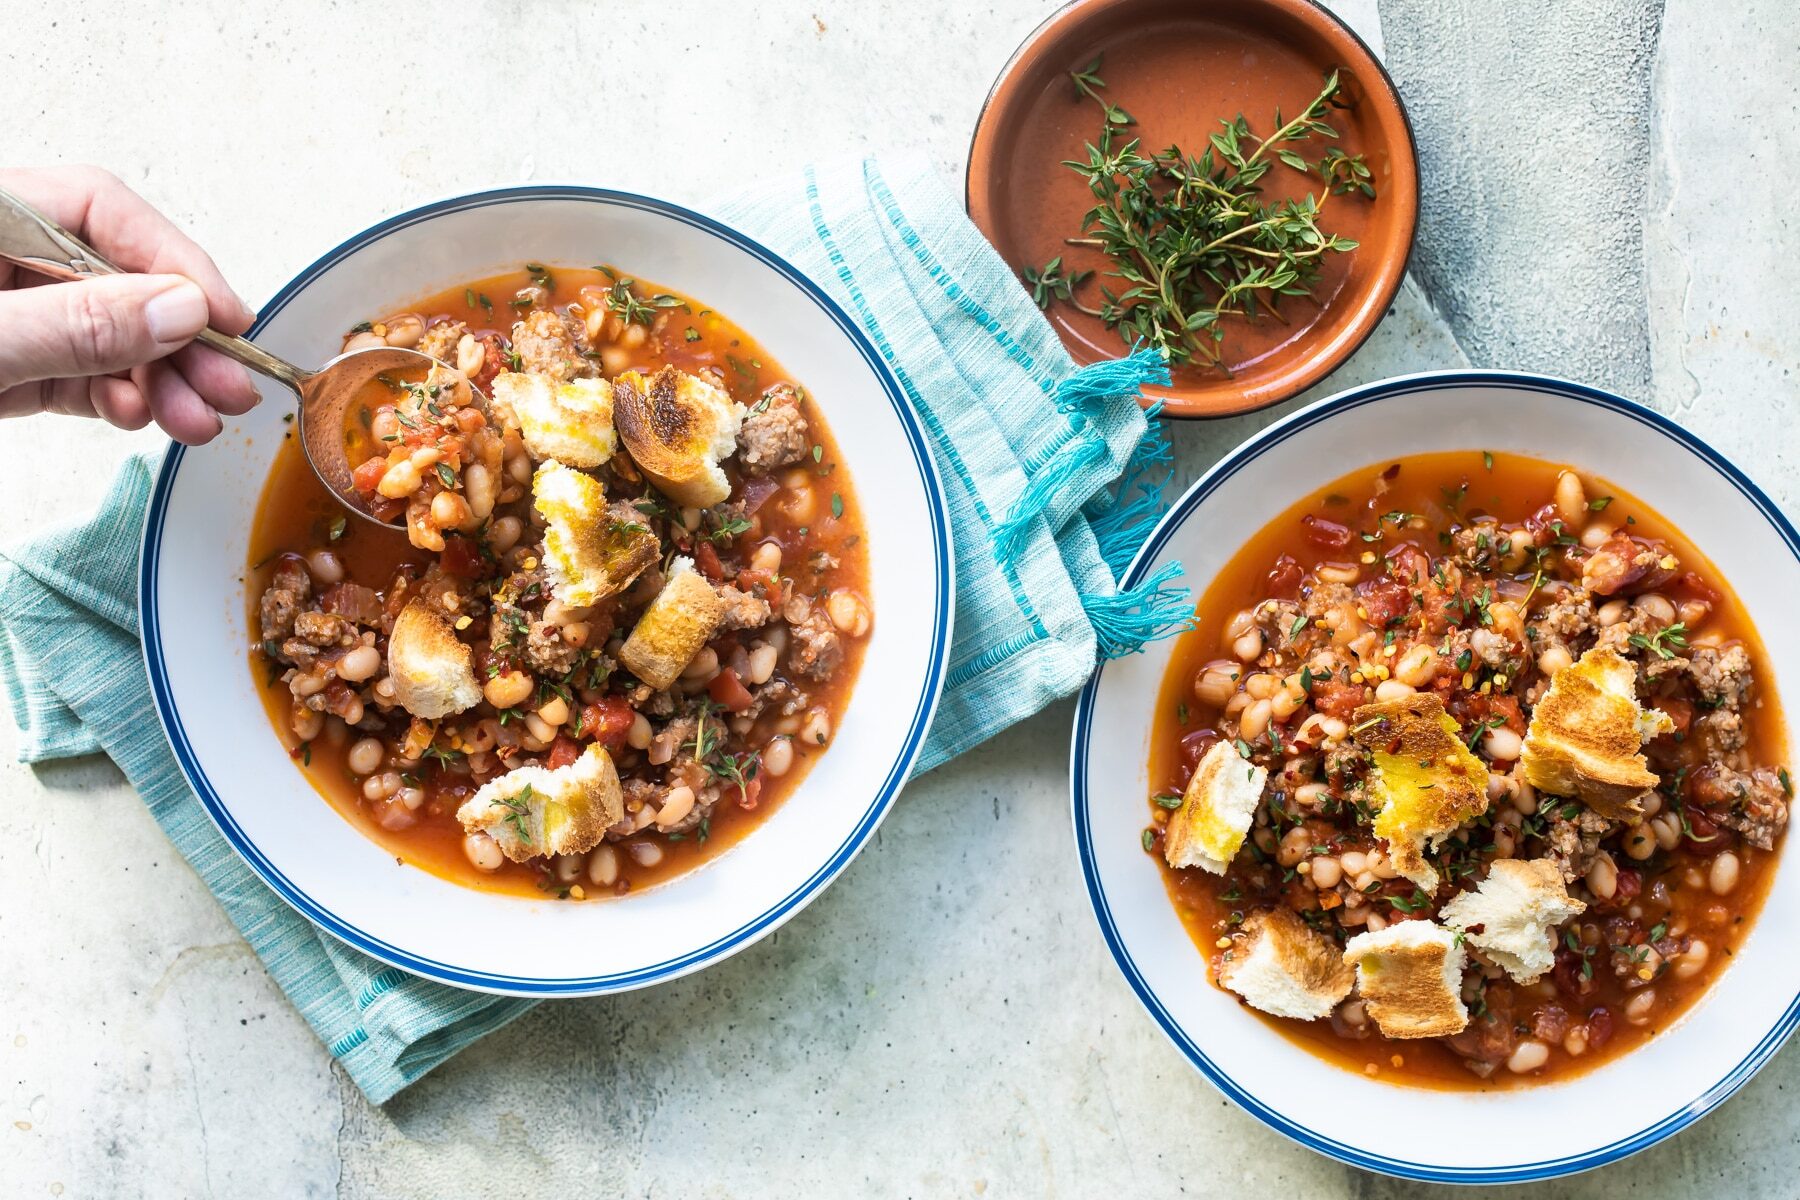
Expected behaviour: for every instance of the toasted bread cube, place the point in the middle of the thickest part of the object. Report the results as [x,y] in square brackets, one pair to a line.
[1282,966]
[1512,916]
[679,622]
[591,550]
[1587,736]
[534,811]
[571,422]
[432,673]
[1410,977]
[679,428]
[1425,780]
[1221,798]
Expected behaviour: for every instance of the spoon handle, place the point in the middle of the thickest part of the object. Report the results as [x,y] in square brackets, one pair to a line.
[31,240]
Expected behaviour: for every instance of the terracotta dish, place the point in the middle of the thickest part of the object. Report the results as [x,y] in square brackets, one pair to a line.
[1180,67]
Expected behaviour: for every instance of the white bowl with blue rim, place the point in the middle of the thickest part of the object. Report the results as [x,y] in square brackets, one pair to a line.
[1529,1133]
[191,590]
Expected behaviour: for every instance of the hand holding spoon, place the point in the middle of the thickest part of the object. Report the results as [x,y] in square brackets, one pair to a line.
[31,240]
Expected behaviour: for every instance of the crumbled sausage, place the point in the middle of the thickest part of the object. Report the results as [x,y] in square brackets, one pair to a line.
[816,650]
[546,652]
[1721,676]
[742,609]
[548,344]
[1575,838]
[440,340]
[323,629]
[773,434]
[287,594]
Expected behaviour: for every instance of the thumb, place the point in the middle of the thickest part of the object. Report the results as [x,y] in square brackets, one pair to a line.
[95,326]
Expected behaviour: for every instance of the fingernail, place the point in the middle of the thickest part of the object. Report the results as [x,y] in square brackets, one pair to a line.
[248,314]
[176,314]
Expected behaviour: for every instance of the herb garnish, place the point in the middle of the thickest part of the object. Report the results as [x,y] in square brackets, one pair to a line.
[1191,238]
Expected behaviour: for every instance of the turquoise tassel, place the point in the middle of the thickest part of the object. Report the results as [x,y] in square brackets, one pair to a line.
[1154,609]
[1123,517]
[1078,395]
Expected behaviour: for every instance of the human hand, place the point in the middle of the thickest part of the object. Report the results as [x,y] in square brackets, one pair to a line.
[117,346]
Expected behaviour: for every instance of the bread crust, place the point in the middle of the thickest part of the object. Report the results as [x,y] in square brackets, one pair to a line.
[1427,780]
[535,811]
[678,428]
[1216,810]
[1282,966]
[431,670]
[589,552]
[1587,736]
[1410,977]
[678,623]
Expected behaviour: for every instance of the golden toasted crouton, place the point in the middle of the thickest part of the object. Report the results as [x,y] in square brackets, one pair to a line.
[678,428]
[1410,977]
[1512,916]
[590,553]
[533,811]
[1282,966]
[571,422]
[431,671]
[1425,782]
[683,618]
[1587,736]
[1221,798]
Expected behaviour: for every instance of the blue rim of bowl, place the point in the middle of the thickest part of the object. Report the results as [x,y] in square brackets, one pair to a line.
[1178,514]
[884,796]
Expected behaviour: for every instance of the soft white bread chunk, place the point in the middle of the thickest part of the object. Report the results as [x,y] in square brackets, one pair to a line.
[534,811]
[679,428]
[683,618]
[591,550]
[1280,965]
[1587,735]
[1221,798]
[431,671]
[1512,916]
[1410,977]
[571,422]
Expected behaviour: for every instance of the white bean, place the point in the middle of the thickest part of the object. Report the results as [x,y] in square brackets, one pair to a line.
[603,866]
[644,854]
[778,756]
[1637,1009]
[358,664]
[1723,875]
[1527,1057]
[483,852]
[676,805]
[761,665]
[365,756]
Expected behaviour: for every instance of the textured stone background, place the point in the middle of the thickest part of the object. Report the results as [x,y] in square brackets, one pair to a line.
[945,1021]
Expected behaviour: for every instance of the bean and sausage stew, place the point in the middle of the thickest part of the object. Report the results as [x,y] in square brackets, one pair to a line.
[1471,772]
[623,611]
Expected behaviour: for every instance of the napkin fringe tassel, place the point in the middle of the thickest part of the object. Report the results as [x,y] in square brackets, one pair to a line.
[1154,609]
[1122,517]
[1080,395]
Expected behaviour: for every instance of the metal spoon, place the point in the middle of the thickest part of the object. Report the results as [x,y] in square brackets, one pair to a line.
[33,241]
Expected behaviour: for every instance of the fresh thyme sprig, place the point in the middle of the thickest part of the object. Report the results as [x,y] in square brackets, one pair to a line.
[1190,238]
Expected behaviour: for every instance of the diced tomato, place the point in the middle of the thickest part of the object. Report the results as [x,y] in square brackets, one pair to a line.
[608,720]
[1691,586]
[384,509]
[563,751]
[460,558]
[1410,565]
[707,559]
[493,362]
[367,476]
[728,690]
[749,795]
[1324,533]
[758,583]
[1630,884]
[1385,600]
[1193,748]
[1339,700]
[1284,578]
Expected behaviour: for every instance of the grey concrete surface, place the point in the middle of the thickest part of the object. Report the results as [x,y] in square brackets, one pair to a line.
[945,1021]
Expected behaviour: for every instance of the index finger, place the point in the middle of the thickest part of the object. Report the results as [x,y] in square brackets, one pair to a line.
[98,207]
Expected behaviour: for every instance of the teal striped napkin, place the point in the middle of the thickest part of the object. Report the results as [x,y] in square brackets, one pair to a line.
[1052,475]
